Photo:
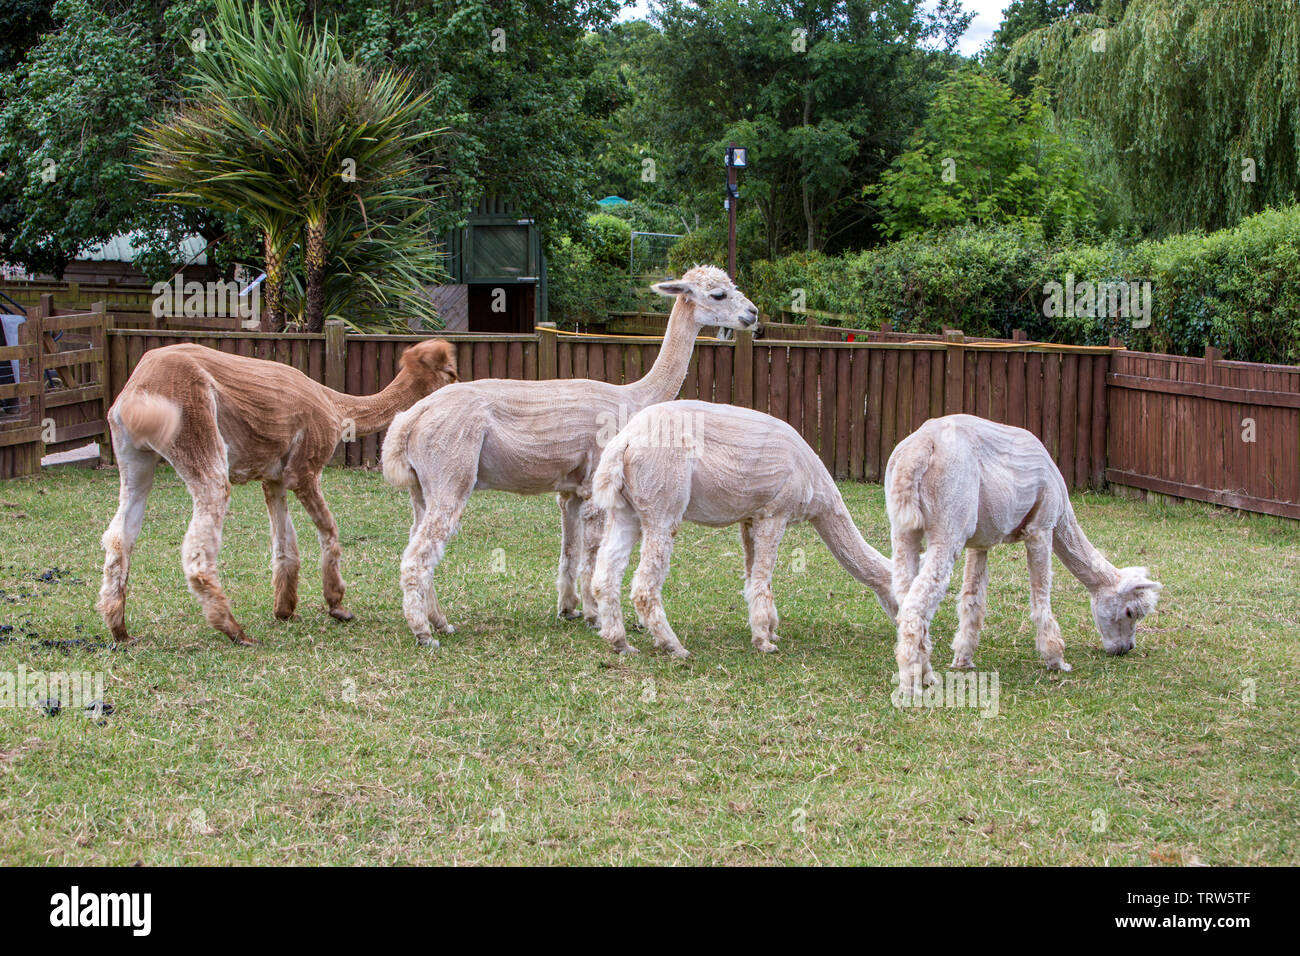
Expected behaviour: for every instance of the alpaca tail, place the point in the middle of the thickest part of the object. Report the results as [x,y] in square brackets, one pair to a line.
[865,563]
[907,466]
[397,466]
[150,420]
[607,482]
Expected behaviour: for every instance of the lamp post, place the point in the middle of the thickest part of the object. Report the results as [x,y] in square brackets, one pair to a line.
[737,158]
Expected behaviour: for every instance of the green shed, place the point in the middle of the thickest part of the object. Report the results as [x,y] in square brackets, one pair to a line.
[498,272]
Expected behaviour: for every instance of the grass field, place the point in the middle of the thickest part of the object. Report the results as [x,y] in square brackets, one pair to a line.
[523,740]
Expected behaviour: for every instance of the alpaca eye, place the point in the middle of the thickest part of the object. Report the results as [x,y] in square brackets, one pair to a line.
[718,295]
[1128,612]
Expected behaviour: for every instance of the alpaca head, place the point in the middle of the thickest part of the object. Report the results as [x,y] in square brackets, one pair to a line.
[431,364]
[1117,608]
[715,297]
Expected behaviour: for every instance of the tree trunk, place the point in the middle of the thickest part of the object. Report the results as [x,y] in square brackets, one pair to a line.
[273,286]
[315,274]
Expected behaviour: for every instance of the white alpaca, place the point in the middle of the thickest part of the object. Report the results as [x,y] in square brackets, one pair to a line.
[714,465]
[964,482]
[533,437]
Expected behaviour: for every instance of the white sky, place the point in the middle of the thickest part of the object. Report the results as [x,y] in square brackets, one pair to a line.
[988,14]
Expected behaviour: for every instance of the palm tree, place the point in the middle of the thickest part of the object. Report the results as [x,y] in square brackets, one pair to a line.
[282,129]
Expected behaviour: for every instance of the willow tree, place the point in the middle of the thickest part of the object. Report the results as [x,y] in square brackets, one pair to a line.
[279,127]
[1193,104]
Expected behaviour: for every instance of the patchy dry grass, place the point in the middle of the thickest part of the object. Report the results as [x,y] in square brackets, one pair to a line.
[524,741]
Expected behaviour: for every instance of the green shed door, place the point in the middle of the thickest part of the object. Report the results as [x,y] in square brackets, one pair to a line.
[499,251]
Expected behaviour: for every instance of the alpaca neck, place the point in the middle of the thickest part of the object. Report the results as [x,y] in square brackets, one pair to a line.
[1080,557]
[370,413]
[664,380]
[866,564]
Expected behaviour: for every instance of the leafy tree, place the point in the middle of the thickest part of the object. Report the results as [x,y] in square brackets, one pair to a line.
[510,78]
[1024,17]
[66,124]
[21,24]
[281,128]
[823,93]
[524,125]
[1194,105]
[984,155]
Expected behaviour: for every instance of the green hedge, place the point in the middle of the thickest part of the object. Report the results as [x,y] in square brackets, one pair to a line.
[1237,289]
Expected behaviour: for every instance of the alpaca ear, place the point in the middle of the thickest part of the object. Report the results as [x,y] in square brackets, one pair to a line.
[672,287]
[1139,591]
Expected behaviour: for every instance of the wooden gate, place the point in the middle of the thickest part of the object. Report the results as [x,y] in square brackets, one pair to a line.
[60,400]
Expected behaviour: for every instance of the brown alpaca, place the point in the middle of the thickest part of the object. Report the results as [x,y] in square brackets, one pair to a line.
[221,419]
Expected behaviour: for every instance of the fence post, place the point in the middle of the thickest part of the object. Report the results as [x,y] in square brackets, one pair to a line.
[336,357]
[44,309]
[1018,335]
[1212,357]
[547,357]
[103,371]
[954,372]
[743,369]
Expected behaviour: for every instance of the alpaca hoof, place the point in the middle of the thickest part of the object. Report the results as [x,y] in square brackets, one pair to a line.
[592,621]
[446,629]
[569,614]
[428,641]
[626,649]
[961,664]
[679,652]
[341,614]
[767,647]
[283,615]
[1061,666]
[243,640]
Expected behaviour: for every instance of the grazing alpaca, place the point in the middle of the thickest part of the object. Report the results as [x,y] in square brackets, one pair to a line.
[533,437]
[220,418]
[714,465]
[964,482]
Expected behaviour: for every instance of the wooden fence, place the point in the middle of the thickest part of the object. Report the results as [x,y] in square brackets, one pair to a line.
[852,402]
[61,398]
[1203,428]
[1224,432]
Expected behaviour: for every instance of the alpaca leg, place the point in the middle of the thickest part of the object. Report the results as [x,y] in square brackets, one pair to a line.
[136,470]
[284,551]
[647,587]
[423,552]
[766,538]
[622,530]
[906,561]
[593,530]
[747,545]
[1051,645]
[200,551]
[570,547]
[915,612]
[974,599]
[432,608]
[327,532]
